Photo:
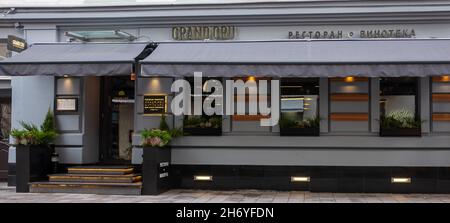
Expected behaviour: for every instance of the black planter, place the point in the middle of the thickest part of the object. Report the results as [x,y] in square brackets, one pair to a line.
[155,170]
[33,163]
[203,131]
[299,131]
[401,132]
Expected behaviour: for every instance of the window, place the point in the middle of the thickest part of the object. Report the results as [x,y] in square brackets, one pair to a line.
[399,106]
[299,106]
[202,125]
[248,121]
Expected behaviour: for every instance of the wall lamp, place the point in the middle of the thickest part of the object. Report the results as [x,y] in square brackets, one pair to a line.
[349,79]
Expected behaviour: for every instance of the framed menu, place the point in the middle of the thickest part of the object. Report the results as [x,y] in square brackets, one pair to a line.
[155,104]
[67,104]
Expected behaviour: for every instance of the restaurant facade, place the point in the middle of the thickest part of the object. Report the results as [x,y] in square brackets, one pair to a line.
[364,90]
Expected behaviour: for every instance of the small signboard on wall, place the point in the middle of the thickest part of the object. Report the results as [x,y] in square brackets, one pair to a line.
[155,104]
[67,104]
[16,44]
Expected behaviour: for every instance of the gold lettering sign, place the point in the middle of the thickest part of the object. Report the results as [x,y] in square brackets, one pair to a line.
[155,104]
[203,32]
[16,44]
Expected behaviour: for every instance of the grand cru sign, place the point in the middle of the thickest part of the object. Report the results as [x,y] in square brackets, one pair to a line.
[203,32]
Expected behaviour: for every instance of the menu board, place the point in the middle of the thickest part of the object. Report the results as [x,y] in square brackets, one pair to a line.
[66,104]
[155,104]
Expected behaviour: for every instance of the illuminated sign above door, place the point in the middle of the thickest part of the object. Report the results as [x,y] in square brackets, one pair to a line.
[16,44]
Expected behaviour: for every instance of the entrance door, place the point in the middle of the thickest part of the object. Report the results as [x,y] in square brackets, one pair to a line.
[117,120]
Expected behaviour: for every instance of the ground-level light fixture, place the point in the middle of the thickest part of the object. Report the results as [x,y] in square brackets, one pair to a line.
[300,179]
[400,180]
[203,178]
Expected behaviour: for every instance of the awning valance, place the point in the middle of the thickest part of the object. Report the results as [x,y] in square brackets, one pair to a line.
[74,59]
[305,58]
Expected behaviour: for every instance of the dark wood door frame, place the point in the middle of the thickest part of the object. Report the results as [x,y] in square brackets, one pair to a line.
[105,118]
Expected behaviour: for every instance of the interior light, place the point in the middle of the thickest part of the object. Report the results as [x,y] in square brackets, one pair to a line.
[446,78]
[300,179]
[349,79]
[133,76]
[202,178]
[399,180]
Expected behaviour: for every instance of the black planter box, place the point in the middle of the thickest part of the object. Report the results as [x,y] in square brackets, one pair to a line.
[155,170]
[401,132]
[203,131]
[33,163]
[299,131]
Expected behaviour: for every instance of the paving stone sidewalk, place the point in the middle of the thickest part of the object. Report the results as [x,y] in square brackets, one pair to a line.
[8,195]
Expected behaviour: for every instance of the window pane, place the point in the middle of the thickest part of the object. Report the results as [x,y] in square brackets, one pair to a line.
[299,102]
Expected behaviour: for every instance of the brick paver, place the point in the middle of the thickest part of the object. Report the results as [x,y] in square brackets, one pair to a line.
[8,195]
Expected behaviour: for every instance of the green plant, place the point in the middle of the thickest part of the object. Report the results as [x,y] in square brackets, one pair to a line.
[202,121]
[400,119]
[163,124]
[30,134]
[159,137]
[307,123]
[155,137]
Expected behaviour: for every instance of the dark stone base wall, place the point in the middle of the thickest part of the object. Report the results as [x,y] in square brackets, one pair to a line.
[11,174]
[322,179]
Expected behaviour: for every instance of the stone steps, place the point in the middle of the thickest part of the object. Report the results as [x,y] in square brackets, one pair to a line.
[109,180]
[126,178]
[87,188]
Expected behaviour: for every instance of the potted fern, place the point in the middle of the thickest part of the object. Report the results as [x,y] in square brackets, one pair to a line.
[157,158]
[400,123]
[34,149]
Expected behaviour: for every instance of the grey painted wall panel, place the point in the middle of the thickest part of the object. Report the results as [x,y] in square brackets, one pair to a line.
[69,139]
[154,85]
[325,140]
[68,86]
[440,126]
[424,103]
[136,157]
[70,155]
[248,126]
[349,106]
[323,104]
[375,104]
[68,122]
[349,126]
[312,157]
[441,107]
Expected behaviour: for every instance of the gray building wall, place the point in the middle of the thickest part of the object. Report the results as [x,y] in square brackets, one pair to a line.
[335,147]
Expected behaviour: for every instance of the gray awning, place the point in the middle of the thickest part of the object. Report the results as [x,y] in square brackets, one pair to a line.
[313,58]
[75,59]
